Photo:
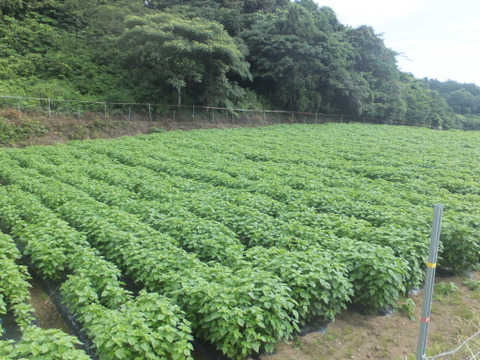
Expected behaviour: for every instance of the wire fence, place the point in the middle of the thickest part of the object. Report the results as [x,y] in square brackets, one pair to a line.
[468,350]
[82,109]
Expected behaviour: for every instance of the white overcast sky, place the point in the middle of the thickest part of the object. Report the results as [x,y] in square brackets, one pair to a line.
[438,39]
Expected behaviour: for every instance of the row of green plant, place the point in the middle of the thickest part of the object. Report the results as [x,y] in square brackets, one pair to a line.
[239,312]
[328,179]
[14,283]
[93,290]
[252,226]
[39,344]
[379,275]
[297,214]
[35,343]
[316,279]
[334,190]
[379,209]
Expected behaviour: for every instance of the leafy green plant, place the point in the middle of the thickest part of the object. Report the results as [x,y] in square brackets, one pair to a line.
[266,231]
[262,310]
[14,283]
[95,292]
[473,285]
[408,308]
[38,344]
[156,130]
[320,290]
[443,289]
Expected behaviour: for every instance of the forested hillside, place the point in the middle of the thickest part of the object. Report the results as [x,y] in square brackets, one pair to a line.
[271,54]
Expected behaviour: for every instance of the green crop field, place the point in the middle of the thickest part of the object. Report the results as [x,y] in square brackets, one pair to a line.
[234,237]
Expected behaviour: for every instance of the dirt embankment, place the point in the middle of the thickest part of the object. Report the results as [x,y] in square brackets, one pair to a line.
[20,129]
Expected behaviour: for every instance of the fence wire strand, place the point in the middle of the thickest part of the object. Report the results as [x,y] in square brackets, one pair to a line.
[468,350]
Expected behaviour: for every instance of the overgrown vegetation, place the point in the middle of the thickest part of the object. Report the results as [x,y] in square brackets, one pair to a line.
[263,54]
[15,127]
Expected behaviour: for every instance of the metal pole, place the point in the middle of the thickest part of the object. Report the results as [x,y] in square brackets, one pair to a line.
[193,113]
[428,292]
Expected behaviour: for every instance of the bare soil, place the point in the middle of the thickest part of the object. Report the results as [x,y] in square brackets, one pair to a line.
[454,318]
[46,312]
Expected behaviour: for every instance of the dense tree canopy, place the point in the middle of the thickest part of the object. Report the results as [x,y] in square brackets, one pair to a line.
[263,53]
[170,49]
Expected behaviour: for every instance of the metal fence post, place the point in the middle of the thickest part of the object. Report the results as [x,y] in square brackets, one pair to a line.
[428,292]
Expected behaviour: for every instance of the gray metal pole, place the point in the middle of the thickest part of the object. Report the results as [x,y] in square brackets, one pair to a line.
[428,291]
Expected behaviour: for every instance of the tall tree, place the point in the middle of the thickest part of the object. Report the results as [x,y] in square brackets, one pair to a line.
[378,66]
[424,106]
[10,7]
[171,49]
[300,62]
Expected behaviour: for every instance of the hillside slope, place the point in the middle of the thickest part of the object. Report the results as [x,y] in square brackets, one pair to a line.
[250,54]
